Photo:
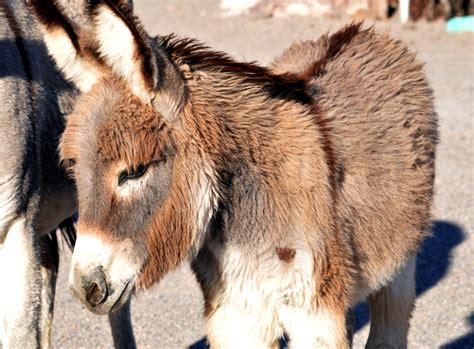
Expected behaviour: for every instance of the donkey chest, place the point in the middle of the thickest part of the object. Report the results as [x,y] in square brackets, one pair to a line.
[266,278]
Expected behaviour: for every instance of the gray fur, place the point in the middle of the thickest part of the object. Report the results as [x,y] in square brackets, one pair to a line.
[33,101]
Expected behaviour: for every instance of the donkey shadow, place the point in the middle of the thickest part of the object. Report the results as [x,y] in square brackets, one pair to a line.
[432,265]
[466,341]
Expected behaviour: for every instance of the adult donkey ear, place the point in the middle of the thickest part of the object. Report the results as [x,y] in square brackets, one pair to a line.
[132,54]
[69,45]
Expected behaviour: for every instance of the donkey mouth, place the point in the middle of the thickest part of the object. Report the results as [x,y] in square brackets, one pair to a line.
[123,296]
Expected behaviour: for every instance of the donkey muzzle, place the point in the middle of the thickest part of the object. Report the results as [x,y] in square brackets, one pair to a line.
[97,294]
[91,288]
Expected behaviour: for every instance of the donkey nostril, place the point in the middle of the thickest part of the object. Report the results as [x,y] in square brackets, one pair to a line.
[95,295]
[95,287]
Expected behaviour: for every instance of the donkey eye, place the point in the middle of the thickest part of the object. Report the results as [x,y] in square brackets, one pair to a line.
[132,174]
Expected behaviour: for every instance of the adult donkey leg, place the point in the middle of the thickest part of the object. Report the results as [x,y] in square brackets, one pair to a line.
[49,257]
[390,310]
[20,290]
[121,324]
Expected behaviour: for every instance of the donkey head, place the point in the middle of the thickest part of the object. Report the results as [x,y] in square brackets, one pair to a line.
[145,190]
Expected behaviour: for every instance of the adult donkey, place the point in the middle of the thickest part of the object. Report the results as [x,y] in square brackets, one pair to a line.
[300,193]
[36,194]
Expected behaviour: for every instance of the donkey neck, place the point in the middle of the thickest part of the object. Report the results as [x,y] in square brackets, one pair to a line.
[261,146]
[268,155]
[251,122]
[243,124]
[264,141]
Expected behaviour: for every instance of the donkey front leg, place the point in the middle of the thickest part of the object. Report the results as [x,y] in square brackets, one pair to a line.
[49,257]
[320,328]
[121,324]
[20,288]
[390,310]
[228,327]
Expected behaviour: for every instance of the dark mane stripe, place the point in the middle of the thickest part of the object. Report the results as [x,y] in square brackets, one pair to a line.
[336,42]
[199,56]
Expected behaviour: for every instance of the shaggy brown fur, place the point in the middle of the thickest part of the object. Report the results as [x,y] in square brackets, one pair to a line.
[334,45]
[420,131]
[330,151]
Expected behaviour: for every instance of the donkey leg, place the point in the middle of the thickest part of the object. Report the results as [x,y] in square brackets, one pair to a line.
[121,324]
[20,288]
[229,328]
[350,324]
[322,328]
[49,256]
[390,310]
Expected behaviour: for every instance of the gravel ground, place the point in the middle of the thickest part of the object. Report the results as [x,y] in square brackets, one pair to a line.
[169,315]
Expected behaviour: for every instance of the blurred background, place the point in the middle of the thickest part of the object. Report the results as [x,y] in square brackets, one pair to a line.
[375,9]
[440,31]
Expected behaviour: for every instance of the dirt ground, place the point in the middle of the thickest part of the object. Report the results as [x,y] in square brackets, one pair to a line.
[169,315]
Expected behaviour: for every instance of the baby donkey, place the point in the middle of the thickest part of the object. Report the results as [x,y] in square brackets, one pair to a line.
[296,191]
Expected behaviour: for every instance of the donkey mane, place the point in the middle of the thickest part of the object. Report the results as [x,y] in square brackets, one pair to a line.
[290,86]
[200,57]
[334,45]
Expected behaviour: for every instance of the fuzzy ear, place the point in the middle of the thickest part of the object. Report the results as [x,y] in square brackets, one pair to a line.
[72,56]
[132,54]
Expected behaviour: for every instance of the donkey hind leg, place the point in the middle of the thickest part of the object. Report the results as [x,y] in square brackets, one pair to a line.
[20,290]
[121,324]
[49,256]
[229,328]
[390,310]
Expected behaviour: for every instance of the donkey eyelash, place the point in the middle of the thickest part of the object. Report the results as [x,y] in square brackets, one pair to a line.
[138,172]
[68,166]
[128,174]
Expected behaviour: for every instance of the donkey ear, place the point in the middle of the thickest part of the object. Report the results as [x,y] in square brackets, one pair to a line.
[72,56]
[132,54]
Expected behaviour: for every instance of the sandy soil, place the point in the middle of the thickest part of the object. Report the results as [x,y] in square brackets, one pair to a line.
[169,315]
